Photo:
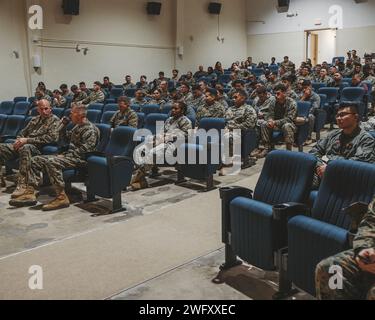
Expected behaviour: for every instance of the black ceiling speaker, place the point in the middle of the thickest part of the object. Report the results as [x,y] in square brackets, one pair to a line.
[283,6]
[71,7]
[214,8]
[153,8]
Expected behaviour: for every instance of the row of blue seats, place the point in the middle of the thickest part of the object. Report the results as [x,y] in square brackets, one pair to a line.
[276,227]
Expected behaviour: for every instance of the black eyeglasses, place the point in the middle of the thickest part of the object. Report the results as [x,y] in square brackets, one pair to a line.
[343,114]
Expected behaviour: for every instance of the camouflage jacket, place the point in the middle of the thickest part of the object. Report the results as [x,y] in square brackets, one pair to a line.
[215,111]
[365,238]
[82,139]
[243,118]
[129,118]
[282,114]
[174,128]
[58,103]
[79,96]
[142,102]
[263,107]
[41,131]
[314,99]
[95,97]
[198,102]
[359,146]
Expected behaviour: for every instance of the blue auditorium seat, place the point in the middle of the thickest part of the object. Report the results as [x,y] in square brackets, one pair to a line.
[109,174]
[12,127]
[130,93]
[19,99]
[58,112]
[107,116]
[152,119]
[110,107]
[96,106]
[21,108]
[150,108]
[326,231]
[6,107]
[256,224]
[94,116]
[116,93]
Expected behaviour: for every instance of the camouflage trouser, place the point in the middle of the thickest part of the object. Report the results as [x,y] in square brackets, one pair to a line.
[287,129]
[144,157]
[53,165]
[25,154]
[311,124]
[357,285]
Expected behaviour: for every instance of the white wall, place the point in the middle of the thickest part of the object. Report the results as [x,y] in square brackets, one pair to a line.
[201,31]
[282,32]
[122,39]
[14,75]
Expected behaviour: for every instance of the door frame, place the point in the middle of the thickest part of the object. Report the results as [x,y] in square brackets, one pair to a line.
[307,34]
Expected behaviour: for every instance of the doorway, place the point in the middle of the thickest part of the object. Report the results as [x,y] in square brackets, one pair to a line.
[320,45]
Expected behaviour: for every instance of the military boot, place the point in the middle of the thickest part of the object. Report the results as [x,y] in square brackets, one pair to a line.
[20,190]
[140,181]
[2,182]
[61,202]
[27,199]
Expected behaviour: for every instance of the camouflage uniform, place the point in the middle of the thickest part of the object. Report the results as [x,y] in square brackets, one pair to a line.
[82,139]
[284,116]
[196,103]
[58,104]
[243,118]
[94,97]
[327,81]
[38,132]
[348,72]
[188,98]
[136,102]
[289,66]
[79,97]
[369,125]
[358,146]
[315,105]
[130,85]
[129,118]
[271,85]
[68,95]
[173,128]
[292,94]
[224,102]
[161,103]
[215,111]
[356,283]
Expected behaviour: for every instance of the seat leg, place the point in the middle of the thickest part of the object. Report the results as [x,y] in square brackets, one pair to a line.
[90,195]
[210,183]
[300,148]
[180,178]
[231,260]
[285,285]
[117,204]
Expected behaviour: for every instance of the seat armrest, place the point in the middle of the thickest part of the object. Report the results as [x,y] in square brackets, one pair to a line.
[4,138]
[285,211]
[227,194]
[114,160]
[94,154]
[356,211]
